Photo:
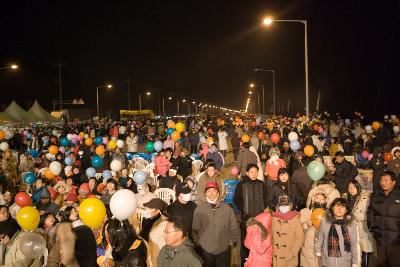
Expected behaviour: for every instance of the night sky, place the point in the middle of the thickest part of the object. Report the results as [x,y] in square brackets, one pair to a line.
[206,50]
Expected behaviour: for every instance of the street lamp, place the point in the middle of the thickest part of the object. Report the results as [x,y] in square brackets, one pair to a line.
[268,21]
[12,66]
[97,96]
[273,88]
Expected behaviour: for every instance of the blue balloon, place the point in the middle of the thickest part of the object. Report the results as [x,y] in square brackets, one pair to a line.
[90,172]
[29,178]
[97,161]
[195,156]
[139,177]
[107,174]
[295,145]
[68,161]
[64,141]
[98,140]
[33,153]
[158,146]
[170,131]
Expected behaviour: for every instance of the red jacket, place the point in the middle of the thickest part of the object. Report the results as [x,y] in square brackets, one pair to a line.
[259,241]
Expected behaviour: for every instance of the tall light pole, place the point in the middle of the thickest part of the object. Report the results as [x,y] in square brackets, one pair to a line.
[273,88]
[97,96]
[268,21]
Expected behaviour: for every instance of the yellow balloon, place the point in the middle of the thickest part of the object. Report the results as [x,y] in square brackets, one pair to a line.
[180,127]
[92,212]
[245,138]
[82,134]
[28,218]
[112,144]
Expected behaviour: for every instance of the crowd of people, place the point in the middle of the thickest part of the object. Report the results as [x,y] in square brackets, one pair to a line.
[209,191]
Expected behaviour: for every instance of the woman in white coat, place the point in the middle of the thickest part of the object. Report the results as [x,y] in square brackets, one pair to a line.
[358,202]
[132,143]
[223,143]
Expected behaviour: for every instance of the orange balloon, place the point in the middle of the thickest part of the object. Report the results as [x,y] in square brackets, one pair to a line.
[308,150]
[387,157]
[2,135]
[275,138]
[100,150]
[48,174]
[245,138]
[260,135]
[316,217]
[171,124]
[88,141]
[376,125]
[175,136]
[53,150]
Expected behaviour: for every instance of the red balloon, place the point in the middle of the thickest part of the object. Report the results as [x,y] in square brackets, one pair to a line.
[387,157]
[22,199]
[275,138]
[260,135]
[253,123]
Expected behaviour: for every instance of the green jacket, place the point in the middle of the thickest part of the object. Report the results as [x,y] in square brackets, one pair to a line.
[180,256]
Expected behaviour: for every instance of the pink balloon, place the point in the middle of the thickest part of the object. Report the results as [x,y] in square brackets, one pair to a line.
[370,157]
[365,154]
[79,138]
[234,171]
[105,140]
[61,149]
[320,130]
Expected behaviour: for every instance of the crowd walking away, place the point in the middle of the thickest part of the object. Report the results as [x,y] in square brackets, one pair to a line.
[207,190]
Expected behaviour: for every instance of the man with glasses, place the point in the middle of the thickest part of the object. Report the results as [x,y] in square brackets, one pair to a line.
[178,251]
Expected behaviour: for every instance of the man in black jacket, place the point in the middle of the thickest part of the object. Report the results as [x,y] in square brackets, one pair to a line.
[344,173]
[383,218]
[250,198]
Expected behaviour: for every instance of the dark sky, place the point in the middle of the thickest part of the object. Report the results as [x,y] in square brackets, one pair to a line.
[206,50]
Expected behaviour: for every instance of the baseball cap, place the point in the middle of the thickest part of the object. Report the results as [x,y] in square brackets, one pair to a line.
[211,185]
[182,188]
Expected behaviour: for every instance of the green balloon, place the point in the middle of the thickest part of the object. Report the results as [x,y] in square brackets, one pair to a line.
[316,170]
[150,146]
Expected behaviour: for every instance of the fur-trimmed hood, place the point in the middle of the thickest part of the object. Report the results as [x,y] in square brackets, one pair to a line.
[263,221]
[327,188]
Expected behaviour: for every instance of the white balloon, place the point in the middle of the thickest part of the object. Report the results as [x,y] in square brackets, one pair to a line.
[116,165]
[9,134]
[113,138]
[396,128]
[86,136]
[368,128]
[69,136]
[293,136]
[4,146]
[55,167]
[120,143]
[123,204]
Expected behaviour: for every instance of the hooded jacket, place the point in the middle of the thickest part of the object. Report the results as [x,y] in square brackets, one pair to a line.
[259,241]
[183,255]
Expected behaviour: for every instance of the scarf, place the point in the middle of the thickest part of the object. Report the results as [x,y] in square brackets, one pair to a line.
[333,239]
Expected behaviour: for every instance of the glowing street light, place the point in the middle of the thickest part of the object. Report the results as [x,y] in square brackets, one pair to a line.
[169,98]
[268,21]
[252,85]
[12,66]
[148,93]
